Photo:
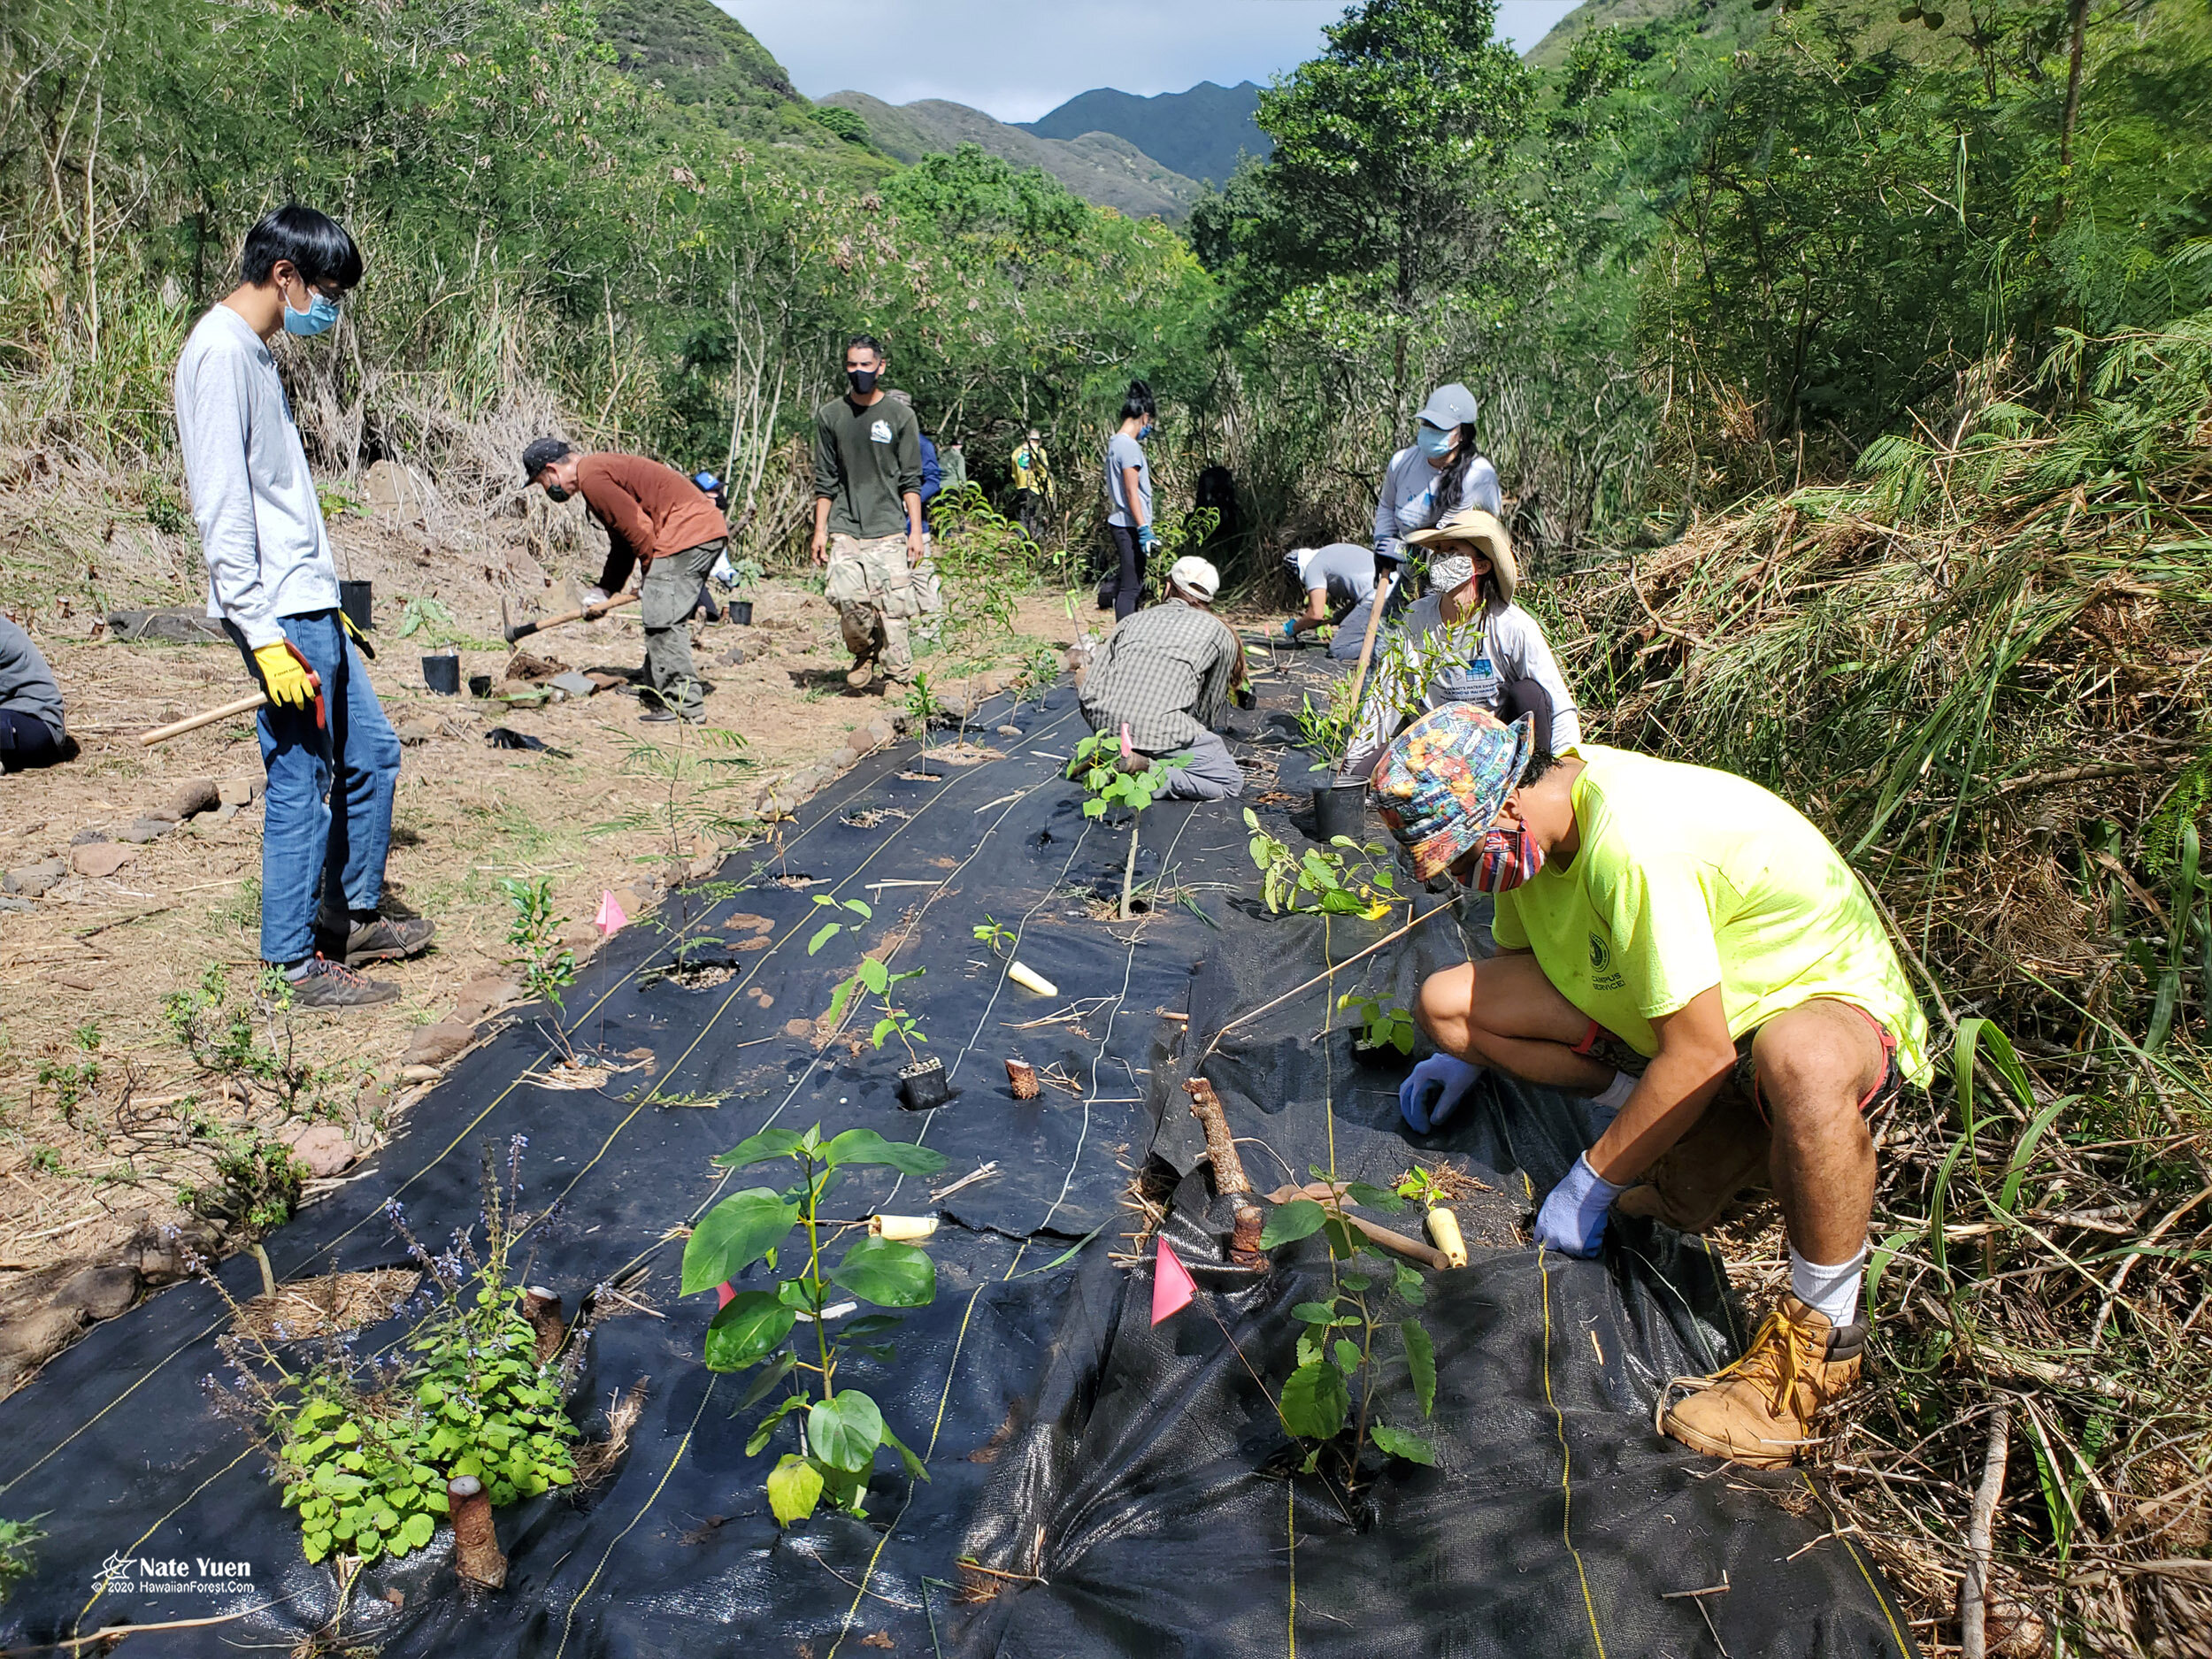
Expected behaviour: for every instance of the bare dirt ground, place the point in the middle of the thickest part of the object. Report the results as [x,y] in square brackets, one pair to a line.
[113,1136]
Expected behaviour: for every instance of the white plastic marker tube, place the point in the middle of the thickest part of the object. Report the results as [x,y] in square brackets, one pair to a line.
[1444,1234]
[1029,978]
[906,1228]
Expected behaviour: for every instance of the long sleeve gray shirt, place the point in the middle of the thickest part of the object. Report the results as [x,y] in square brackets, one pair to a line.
[26,685]
[1468,663]
[1410,498]
[261,527]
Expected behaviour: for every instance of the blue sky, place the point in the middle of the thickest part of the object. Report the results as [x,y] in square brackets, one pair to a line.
[1017,58]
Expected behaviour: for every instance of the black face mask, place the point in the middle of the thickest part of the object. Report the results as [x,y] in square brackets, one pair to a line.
[863,380]
[553,492]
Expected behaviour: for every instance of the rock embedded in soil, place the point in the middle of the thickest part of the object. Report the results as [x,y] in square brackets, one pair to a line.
[480,997]
[29,1342]
[101,858]
[435,1045]
[100,1293]
[139,831]
[193,797]
[324,1148]
[32,881]
[239,791]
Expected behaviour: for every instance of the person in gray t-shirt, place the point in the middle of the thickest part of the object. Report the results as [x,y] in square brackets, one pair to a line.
[1334,579]
[1129,498]
[31,733]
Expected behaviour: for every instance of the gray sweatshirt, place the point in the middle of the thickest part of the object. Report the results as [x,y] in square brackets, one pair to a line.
[26,685]
[261,528]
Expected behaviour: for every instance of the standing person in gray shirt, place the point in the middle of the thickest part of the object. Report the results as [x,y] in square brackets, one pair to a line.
[868,529]
[31,729]
[332,757]
[1129,495]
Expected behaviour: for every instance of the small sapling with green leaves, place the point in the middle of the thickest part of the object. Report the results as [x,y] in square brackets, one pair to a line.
[839,1429]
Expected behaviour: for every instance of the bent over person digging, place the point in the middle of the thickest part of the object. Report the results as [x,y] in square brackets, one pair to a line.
[1687,950]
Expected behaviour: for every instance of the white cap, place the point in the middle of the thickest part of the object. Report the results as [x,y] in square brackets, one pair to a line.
[1298,559]
[1195,576]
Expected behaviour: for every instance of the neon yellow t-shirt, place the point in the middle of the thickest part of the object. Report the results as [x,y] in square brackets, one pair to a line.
[1688,877]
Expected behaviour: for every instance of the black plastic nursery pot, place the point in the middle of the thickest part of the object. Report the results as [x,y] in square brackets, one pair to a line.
[442,673]
[479,685]
[742,612]
[358,600]
[1380,1057]
[1341,809]
[924,1085]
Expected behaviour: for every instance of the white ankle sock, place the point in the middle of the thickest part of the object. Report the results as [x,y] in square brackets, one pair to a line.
[1615,1094]
[1834,1291]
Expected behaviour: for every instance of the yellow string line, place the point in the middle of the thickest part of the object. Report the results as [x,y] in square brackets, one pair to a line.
[102,1589]
[1836,1528]
[1566,1485]
[1290,1502]
[568,1619]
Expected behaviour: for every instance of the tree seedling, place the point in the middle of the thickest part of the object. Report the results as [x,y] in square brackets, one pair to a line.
[1346,1346]
[549,966]
[1320,878]
[1098,765]
[996,940]
[839,1429]
[1382,1023]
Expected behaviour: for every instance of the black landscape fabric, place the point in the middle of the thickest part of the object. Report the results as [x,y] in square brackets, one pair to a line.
[1112,1488]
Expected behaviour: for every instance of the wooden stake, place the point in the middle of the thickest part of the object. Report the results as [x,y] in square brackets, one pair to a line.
[1981,1522]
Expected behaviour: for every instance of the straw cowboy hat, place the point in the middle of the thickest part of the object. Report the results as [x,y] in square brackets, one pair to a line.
[1482,532]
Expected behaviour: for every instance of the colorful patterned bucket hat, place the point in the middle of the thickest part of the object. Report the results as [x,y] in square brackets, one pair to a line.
[1442,782]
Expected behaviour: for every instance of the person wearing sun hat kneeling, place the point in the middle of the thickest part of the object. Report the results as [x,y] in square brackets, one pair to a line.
[1690,926]
[1164,676]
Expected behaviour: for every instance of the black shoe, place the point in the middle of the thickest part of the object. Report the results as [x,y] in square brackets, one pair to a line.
[666,715]
[327,984]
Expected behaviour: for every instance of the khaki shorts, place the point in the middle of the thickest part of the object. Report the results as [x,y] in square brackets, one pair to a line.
[873,572]
[1602,1045]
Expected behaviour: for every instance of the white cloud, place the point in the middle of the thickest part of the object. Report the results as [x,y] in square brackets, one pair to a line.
[1016,60]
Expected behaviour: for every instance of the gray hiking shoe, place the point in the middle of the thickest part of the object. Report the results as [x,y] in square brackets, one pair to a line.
[327,984]
[387,939]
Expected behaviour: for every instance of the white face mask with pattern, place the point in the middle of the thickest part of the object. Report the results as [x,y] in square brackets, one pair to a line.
[1445,574]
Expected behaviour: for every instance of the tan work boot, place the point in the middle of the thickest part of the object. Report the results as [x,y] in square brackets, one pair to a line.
[861,673]
[1725,1151]
[1760,1411]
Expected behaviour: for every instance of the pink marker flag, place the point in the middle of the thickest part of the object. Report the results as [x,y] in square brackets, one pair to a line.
[727,1291]
[1128,751]
[1172,1287]
[610,920]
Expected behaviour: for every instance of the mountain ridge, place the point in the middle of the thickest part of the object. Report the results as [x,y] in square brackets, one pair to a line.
[1199,133]
[1102,168]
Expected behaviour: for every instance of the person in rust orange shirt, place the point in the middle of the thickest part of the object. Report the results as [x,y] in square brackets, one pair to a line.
[656,517]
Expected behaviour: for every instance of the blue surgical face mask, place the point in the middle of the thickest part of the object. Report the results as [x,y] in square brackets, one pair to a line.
[1435,442]
[1144,432]
[320,316]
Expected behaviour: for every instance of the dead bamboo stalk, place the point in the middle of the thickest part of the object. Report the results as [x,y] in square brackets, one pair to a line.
[1230,1181]
[1981,1523]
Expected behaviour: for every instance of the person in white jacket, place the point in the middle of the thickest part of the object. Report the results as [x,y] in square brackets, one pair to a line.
[1440,471]
[1465,640]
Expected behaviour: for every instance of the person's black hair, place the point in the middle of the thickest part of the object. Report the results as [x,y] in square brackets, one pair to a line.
[539,454]
[316,244]
[1541,762]
[871,344]
[1449,487]
[1139,405]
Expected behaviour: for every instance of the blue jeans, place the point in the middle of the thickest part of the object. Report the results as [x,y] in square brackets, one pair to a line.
[311,854]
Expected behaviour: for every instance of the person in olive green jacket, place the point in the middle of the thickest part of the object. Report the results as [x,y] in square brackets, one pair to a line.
[868,517]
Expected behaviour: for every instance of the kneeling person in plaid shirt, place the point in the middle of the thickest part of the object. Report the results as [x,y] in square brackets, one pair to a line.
[1166,674]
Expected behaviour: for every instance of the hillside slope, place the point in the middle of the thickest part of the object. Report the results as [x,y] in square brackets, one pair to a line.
[1731,22]
[1099,167]
[706,61]
[1199,132]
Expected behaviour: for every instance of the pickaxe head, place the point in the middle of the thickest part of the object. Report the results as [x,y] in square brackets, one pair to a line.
[506,622]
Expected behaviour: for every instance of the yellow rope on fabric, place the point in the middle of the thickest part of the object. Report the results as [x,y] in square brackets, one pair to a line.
[1566,1484]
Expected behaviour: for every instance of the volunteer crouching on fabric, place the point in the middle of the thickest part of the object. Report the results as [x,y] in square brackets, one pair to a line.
[1165,675]
[1686,925]
[656,516]
[1471,641]
[1335,579]
[1440,471]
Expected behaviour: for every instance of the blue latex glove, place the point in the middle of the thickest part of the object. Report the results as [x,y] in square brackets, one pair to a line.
[1433,1091]
[1147,538]
[1572,1220]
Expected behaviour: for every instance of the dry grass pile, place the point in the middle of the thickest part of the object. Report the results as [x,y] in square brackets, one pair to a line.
[1983,668]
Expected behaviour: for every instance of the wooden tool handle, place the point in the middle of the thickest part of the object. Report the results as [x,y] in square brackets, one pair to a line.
[1383,585]
[1332,1199]
[523,630]
[206,716]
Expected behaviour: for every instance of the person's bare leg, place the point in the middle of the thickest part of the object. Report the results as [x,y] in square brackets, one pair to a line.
[1505,1013]
[1816,1063]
